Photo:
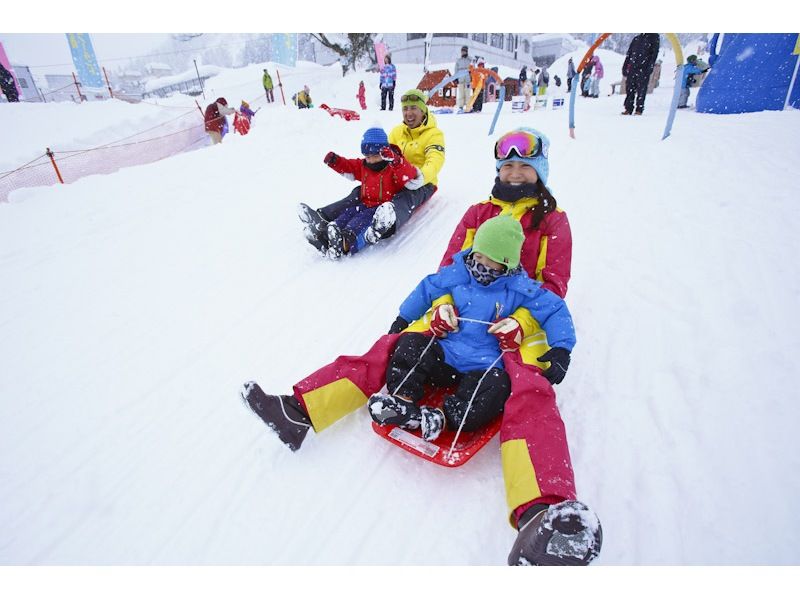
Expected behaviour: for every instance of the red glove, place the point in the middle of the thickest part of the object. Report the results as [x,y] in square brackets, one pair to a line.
[508,332]
[330,158]
[387,154]
[445,319]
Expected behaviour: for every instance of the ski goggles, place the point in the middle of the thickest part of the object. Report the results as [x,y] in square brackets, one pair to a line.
[525,144]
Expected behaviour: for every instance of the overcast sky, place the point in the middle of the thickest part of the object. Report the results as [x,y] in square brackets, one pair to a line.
[46,49]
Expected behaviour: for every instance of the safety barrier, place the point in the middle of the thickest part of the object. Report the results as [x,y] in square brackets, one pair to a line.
[183,133]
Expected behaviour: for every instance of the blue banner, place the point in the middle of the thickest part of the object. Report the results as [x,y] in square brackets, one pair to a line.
[89,74]
[283,48]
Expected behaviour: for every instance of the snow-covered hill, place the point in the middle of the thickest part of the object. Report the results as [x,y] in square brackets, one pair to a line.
[135,304]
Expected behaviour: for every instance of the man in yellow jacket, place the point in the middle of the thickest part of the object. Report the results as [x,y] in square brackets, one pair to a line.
[422,144]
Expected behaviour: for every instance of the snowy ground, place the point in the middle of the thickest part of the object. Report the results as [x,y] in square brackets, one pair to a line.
[135,304]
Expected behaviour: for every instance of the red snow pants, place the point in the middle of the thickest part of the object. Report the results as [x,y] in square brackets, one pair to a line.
[535,457]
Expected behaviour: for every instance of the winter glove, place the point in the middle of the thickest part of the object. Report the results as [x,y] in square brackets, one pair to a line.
[559,362]
[330,158]
[398,325]
[417,182]
[387,154]
[445,319]
[508,332]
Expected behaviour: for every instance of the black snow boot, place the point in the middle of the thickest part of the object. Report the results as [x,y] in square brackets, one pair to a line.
[315,227]
[386,409]
[568,533]
[283,413]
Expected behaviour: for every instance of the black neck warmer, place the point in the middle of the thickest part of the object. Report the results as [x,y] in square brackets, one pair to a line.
[512,193]
[378,166]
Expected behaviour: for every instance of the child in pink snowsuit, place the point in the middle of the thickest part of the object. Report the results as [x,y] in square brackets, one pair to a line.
[362,96]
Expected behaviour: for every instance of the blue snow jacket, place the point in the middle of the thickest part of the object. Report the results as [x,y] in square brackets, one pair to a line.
[689,69]
[472,347]
[388,76]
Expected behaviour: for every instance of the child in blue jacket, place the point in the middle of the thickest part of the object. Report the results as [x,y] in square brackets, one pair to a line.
[471,324]
[690,69]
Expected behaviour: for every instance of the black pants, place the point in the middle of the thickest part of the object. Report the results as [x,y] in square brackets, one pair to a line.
[478,105]
[270,97]
[405,202]
[387,91]
[430,368]
[636,88]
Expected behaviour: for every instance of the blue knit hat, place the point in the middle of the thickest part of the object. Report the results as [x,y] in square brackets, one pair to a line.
[372,142]
[541,162]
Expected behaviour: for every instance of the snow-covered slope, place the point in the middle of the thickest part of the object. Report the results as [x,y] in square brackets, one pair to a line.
[135,304]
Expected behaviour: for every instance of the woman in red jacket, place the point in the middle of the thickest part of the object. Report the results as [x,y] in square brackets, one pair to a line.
[382,172]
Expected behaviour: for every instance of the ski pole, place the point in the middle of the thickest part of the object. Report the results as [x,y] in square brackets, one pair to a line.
[469,406]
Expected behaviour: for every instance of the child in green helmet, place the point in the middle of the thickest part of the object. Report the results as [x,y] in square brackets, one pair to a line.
[471,324]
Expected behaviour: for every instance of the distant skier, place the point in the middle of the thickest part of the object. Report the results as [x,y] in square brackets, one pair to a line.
[462,65]
[382,173]
[570,74]
[597,75]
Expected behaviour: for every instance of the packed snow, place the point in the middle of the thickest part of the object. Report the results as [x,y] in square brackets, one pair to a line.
[136,304]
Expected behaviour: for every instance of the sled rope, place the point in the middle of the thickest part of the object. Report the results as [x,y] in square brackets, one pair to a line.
[411,371]
[475,321]
[469,406]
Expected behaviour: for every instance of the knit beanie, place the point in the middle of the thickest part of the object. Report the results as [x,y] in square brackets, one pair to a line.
[414,97]
[374,139]
[541,162]
[500,239]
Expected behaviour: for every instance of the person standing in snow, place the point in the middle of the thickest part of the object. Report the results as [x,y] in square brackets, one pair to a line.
[691,69]
[637,68]
[382,173]
[586,79]
[527,91]
[570,74]
[361,96]
[215,122]
[387,82]
[462,65]
[597,74]
[523,76]
[544,81]
[7,85]
[266,80]
[422,143]
[478,83]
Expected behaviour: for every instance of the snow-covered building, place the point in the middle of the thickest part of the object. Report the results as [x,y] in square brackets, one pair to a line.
[27,86]
[507,49]
[186,82]
[158,69]
[546,48]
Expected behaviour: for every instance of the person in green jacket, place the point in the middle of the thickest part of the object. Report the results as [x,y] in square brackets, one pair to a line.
[267,81]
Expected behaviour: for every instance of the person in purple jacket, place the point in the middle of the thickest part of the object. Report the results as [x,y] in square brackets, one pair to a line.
[597,74]
[388,81]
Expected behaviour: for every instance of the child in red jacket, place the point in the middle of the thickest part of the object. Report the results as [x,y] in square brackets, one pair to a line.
[362,96]
[382,172]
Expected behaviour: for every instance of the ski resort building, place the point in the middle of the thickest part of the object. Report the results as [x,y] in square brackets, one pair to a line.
[507,49]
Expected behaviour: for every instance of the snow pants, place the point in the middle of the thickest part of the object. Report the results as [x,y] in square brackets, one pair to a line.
[535,457]
[683,100]
[462,95]
[355,220]
[636,91]
[418,359]
[405,202]
[387,92]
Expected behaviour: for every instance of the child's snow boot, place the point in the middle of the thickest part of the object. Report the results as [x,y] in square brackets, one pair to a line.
[283,413]
[432,423]
[386,409]
[568,533]
[383,220]
[315,229]
[336,244]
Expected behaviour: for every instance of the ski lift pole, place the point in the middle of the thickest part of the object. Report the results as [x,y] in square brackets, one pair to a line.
[105,74]
[280,84]
[78,87]
[55,166]
[200,109]
[199,80]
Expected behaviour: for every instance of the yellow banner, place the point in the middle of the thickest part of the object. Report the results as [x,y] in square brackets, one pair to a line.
[797,45]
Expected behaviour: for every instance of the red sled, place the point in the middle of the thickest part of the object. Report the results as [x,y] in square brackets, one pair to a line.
[345,114]
[241,124]
[439,451]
